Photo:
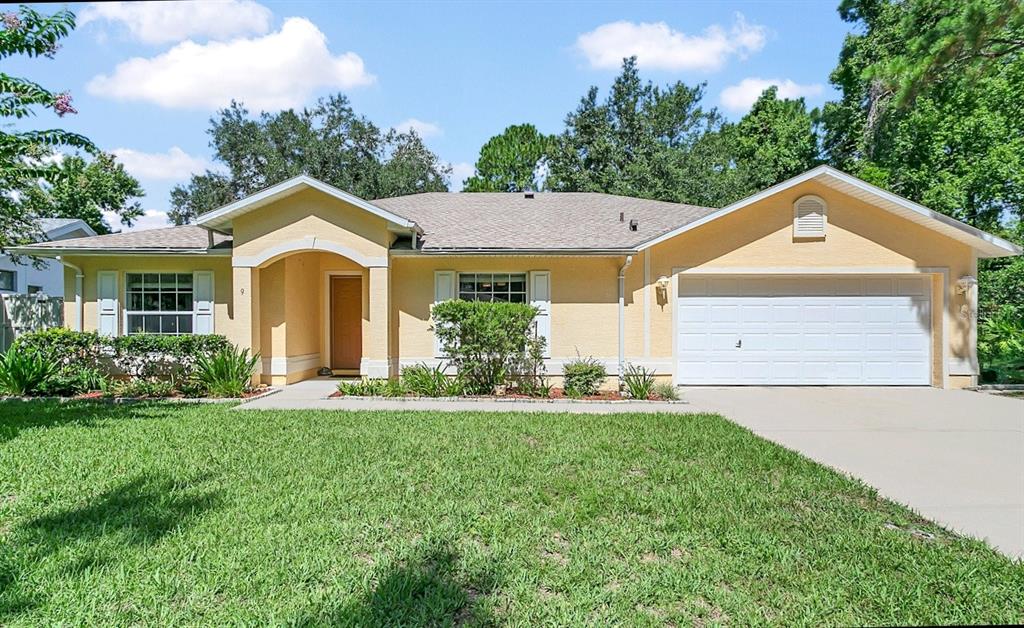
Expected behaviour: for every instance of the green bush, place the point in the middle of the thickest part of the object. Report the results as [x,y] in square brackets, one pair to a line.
[666,391]
[24,372]
[490,344]
[73,380]
[137,355]
[426,381]
[227,372]
[1001,346]
[141,388]
[583,376]
[639,381]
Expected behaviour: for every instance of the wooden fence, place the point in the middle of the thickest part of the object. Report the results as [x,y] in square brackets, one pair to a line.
[22,313]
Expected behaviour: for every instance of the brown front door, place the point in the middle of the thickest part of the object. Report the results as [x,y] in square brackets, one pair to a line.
[346,322]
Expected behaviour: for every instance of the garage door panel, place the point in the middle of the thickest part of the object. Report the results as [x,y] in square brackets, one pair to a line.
[791,330]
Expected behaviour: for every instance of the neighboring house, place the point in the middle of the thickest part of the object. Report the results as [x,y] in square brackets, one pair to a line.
[24,278]
[822,279]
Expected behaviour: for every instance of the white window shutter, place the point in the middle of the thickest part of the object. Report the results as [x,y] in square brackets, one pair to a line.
[106,302]
[202,302]
[809,217]
[540,298]
[444,290]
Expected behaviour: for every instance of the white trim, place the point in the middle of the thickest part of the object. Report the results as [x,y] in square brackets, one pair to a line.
[374,368]
[223,216]
[814,235]
[647,303]
[980,240]
[309,243]
[325,344]
[791,270]
[292,364]
[115,328]
[54,234]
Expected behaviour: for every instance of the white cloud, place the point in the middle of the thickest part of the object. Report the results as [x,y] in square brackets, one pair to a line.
[738,98]
[658,46]
[460,172]
[423,129]
[164,22]
[276,71]
[150,219]
[174,165]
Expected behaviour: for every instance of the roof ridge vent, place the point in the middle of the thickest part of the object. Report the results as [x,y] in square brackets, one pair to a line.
[634,224]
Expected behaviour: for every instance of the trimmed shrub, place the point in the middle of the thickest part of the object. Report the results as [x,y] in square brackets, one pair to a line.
[73,380]
[372,387]
[583,376]
[491,344]
[141,388]
[639,381]
[24,372]
[226,372]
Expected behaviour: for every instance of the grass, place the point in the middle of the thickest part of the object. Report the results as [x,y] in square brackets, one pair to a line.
[189,514]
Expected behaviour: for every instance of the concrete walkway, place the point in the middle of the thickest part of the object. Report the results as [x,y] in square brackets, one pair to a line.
[956,457]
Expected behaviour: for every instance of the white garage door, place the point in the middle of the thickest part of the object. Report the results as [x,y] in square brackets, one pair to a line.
[823,330]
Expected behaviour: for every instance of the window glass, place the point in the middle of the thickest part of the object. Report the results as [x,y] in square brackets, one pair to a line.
[7,280]
[159,303]
[504,287]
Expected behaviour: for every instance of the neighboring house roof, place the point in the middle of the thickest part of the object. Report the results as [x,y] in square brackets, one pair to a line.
[540,221]
[183,239]
[985,243]
[62,228]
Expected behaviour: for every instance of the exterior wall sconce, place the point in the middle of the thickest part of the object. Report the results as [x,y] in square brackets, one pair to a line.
[662,283]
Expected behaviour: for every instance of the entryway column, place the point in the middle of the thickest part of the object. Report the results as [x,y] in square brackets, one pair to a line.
[245,330]
[376,362]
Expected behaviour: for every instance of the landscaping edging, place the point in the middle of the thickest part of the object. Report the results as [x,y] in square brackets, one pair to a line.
[509,400]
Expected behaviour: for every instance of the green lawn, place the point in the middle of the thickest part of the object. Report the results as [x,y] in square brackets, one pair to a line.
[184,514]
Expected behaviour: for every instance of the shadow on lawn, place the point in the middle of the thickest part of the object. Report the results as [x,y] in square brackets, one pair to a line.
[75,540]
[430,587]
[17,415]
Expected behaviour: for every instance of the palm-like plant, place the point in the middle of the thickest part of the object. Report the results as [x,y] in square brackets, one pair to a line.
[227,372]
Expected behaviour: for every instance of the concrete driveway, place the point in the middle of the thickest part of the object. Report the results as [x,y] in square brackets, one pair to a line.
[956,457]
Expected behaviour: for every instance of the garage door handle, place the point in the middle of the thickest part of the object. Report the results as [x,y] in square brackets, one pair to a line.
[739,343]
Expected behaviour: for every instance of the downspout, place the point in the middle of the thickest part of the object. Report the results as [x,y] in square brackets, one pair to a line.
[79,278]
[622,317]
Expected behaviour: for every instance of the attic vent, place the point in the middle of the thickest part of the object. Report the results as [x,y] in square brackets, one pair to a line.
[633,224]
[528,195]
[810,215]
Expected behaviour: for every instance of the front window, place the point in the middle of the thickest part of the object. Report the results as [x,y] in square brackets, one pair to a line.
[7,280]
[159,303]
[509,287]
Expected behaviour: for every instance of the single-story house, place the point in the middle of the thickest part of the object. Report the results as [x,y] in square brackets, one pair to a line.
[822,279]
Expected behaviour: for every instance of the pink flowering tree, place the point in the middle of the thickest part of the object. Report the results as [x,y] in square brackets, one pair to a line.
[27,32]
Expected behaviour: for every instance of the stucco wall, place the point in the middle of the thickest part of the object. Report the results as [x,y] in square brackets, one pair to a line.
[91,265]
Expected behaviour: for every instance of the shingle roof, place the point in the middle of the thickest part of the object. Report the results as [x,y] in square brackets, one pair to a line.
[548,221]
[49,224]
[186,237]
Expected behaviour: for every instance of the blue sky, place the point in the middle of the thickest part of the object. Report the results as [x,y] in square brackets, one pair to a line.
[146,78]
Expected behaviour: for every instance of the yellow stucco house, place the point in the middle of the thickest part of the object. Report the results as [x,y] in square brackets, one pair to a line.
[822,279]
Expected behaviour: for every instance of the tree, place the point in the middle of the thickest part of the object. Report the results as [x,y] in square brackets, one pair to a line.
[30,33]
[510,161]
[774,141]
[328,141]
[642,141]
[86,190]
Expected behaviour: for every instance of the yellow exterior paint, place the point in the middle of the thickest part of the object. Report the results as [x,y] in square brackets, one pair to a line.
[281,307]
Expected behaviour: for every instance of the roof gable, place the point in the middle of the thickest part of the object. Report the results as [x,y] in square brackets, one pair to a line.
[986,244]
[221,217]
